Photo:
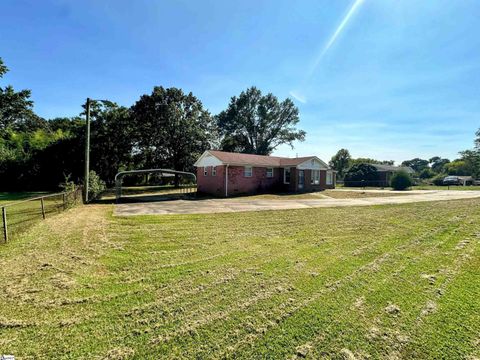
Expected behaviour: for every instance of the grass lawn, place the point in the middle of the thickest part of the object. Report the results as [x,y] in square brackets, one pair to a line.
[433,187]
[344,194]
[9,197]
[21,215]
[416,187]
[380,282]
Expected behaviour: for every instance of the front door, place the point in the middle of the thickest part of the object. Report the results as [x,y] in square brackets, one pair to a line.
[301,179]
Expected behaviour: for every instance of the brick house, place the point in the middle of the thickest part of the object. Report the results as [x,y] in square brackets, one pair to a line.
[225,174]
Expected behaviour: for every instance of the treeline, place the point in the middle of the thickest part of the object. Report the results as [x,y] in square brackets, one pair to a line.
[164,129]
[434,169]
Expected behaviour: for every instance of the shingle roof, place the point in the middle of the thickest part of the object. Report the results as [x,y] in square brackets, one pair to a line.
[257,160]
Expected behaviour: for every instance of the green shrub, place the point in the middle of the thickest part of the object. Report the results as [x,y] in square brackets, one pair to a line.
[426,173]
[67,185]
[438,180]
[96,186]
[401,181]
[69,188]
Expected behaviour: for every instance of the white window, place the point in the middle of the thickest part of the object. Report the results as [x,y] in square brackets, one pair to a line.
[247,171]
[205,171]
[214,171]
[286,176]
[329,178]
[269,172]
[315,177]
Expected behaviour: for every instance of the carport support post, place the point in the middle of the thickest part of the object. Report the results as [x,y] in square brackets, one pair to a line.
[118,188]
[4,217]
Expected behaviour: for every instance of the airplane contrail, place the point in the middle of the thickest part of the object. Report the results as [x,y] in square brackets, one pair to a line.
[295,93]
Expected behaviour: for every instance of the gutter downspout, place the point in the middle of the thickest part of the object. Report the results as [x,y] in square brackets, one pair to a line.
[226,180]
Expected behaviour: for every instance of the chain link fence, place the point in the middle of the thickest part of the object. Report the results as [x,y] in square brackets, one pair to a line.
[19,216]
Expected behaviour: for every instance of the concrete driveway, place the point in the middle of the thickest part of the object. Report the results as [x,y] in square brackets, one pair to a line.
[244,204]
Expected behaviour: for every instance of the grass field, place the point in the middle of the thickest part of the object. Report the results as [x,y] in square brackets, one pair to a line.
[344,194]
[22,214]
[10,197]
[320,195]
[417,187]
[372,282]
[433,187]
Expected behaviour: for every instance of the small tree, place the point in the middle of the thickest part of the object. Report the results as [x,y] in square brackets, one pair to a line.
[96,186]
[426,173]
[341,162]
[401,181]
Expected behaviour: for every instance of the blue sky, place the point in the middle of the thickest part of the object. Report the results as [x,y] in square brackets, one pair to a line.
[401,79]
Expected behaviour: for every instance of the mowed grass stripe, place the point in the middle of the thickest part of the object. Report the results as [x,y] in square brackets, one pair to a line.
[237,285]
[276,315]
[382,334]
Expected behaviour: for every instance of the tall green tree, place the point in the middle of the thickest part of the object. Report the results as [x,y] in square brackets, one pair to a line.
[361,174]
[257,124]
[112,139]
[438,164]
[340,162]
[477,140]
[16,108]
[458,167]
[371,161]
[171,129]
[416,164]
[471,160]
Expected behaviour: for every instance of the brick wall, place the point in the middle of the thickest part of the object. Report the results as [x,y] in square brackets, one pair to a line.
[238,184]
[214,185]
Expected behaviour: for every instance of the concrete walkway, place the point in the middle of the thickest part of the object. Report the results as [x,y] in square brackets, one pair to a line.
[243,204]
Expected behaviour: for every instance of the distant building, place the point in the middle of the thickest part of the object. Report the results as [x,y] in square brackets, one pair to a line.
[385,173]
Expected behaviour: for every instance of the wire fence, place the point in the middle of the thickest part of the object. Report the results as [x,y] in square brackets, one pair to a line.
[21,215]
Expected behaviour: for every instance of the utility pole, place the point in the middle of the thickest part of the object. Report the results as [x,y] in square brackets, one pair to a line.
[87,153]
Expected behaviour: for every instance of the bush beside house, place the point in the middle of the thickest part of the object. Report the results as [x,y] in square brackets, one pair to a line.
[401,180]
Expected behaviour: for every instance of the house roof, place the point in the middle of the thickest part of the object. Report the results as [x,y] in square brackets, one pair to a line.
[384,167]
[259,160]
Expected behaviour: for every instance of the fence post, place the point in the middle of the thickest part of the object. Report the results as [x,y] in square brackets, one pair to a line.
[43,208]
[4,217]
